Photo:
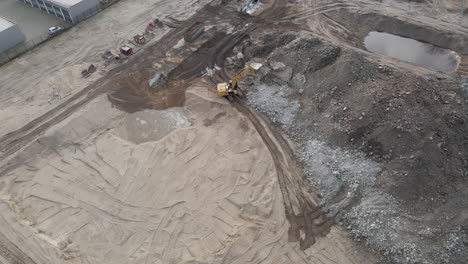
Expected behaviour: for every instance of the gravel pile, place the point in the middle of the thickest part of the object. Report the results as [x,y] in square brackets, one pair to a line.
[331,169]
[345,180]
[270,100]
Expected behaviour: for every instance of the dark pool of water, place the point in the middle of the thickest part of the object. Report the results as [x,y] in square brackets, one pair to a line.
[413,51]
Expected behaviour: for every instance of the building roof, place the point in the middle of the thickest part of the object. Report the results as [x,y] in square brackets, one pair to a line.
[66,3]
[5,23]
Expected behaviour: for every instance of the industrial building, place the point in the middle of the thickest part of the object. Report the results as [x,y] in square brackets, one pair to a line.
[72,11]
[10,34]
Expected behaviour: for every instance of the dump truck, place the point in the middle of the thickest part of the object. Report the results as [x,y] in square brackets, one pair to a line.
[194,32]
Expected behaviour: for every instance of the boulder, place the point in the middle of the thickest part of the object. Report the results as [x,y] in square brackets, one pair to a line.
[298,81]
[285,74]
[278,66]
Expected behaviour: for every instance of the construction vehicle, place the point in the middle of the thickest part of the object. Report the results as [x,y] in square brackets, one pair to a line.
[126,50]
[139,39]
[109,55]
[194,32]
[231,88]
[87,72]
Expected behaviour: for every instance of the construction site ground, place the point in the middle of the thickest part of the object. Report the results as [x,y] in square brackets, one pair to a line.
[335,154]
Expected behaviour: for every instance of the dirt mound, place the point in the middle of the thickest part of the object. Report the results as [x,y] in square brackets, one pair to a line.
[387,149]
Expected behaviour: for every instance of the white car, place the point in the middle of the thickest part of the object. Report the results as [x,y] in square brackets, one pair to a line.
[54,30]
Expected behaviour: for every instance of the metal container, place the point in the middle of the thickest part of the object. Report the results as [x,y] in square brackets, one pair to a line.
[194,32]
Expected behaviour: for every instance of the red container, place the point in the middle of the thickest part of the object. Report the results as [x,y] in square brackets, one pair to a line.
[126,50]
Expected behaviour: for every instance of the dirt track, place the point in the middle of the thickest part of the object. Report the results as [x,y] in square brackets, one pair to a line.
[126,88]
[186,71]
[302,212]
[13,141]
[306,220]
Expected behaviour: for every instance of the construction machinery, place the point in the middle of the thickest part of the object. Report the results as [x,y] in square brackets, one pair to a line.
[231,88]
[139,39]
[194,32]
[126,50]
[153,24]
[87,72]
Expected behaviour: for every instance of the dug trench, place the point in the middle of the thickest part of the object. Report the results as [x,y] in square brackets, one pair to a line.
[386,148]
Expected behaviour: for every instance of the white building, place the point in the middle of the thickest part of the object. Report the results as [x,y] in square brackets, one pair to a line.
[72,11]
[10,34]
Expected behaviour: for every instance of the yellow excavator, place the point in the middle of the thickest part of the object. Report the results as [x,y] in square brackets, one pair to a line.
[231,89]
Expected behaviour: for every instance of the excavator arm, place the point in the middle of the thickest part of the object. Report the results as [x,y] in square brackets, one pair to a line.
[229,89]
[236,78]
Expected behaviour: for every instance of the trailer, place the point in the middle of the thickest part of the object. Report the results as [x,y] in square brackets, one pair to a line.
[194,32]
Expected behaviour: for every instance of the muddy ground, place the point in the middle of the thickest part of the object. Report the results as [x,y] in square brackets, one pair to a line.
[349,143]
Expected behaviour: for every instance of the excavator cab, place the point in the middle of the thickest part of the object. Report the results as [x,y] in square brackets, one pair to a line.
[226,89]
[223,89]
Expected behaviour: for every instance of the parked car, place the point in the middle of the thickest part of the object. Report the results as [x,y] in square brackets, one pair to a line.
[54,30]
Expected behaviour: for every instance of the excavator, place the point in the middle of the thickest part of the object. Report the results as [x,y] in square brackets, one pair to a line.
[231,89]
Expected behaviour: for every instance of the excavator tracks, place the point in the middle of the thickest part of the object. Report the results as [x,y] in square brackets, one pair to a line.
[307,221]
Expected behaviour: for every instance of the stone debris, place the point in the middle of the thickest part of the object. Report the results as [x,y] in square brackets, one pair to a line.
[277,66]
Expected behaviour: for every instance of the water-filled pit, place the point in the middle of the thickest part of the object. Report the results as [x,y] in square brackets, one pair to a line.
[412,51]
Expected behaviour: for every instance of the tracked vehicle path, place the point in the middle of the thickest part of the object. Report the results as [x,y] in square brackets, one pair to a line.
[307,221]
[15,140]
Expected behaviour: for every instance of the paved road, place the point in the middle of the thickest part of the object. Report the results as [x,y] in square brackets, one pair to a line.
[33,22]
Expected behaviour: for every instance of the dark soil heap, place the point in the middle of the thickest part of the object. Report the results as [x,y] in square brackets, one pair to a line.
[414,128]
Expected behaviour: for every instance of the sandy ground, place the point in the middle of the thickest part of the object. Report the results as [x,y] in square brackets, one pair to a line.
[30,81]
[203,191]
[196,183]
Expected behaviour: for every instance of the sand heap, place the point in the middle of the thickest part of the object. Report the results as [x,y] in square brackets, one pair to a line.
[201,188]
